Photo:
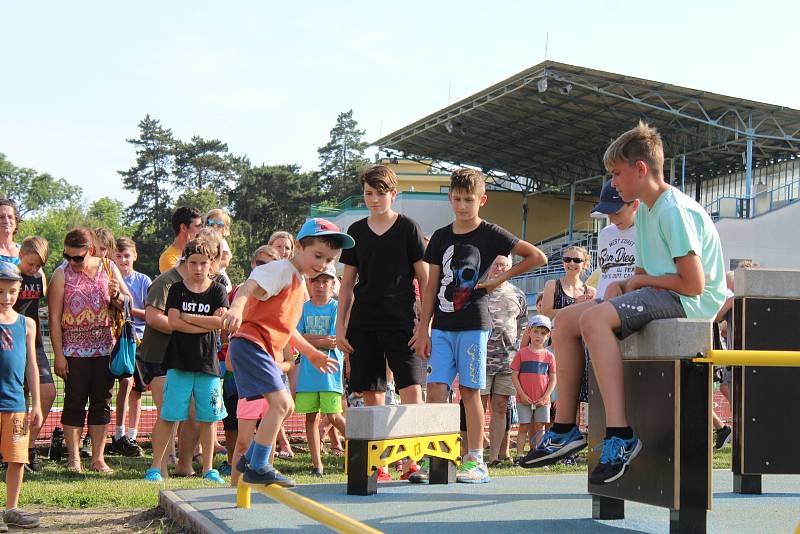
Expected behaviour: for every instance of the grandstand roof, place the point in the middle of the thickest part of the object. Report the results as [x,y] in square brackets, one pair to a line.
[549,125]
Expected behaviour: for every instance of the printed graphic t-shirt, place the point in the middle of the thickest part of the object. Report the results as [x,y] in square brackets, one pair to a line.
[194,352]
[616,256]
[27,304]
[319,320]
[464,259]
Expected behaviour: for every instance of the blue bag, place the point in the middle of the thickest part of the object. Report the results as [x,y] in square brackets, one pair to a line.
[122,362]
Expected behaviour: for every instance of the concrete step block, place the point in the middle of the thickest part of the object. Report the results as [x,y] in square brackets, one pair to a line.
[403,421]
[767,283]
[668,339]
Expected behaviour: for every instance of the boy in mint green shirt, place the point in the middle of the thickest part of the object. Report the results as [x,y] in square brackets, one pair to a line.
[679,273]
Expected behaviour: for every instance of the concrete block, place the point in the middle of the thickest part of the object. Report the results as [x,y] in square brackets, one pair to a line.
[767,283]
[668,339]
[403,421]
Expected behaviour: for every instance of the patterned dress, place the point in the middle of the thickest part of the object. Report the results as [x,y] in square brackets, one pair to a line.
[85,320]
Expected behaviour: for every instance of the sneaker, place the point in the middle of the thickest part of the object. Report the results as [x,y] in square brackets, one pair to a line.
[241,464]
[267,475]
[3,526]
[224,469]
[18,518]
[86,448]
[614,460]
[722,436]
[405,475]
[473,472]
[34,464]
[126,447]
[421,476]
[153,475]
[554,447]
[213,476]
[316,472]
[383,475]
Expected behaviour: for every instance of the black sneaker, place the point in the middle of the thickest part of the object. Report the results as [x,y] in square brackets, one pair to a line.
[34,463]
[86,448]
[722,436]
[127,447]
[616,456]
[267,475]
[316,472]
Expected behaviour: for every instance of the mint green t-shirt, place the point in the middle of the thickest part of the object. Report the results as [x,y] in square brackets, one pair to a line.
[675,226]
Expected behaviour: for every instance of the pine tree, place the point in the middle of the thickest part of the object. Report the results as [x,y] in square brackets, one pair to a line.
[205,164]
[342,159]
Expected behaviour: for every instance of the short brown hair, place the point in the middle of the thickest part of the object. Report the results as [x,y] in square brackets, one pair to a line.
[642,143]
[35,245]
[125,243]
[199,246]
[468,180]
[212,238]
[104,237]
[333,241]
[79,238]
[379,177]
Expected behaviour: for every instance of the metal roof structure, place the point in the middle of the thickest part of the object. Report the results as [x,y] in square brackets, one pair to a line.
[547,128]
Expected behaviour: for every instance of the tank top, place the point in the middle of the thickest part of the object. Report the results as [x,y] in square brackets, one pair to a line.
[561,299]
[13,358]
[11,259]
[85,319]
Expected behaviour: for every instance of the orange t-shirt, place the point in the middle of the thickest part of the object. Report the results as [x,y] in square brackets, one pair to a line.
[269,322]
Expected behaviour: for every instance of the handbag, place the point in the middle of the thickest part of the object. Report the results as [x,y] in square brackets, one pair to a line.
[122,362]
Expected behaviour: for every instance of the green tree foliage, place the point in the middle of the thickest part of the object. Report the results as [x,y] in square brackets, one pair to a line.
[342,159]
[33,191]
[206,164]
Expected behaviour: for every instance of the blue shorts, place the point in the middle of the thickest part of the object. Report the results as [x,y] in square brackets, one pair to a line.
[462,353]
[254,368]
[179,389]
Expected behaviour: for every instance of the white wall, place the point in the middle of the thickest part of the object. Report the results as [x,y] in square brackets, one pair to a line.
[771,239]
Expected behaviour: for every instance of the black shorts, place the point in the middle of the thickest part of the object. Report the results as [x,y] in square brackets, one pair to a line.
[149,371]
[373,349]
[230,396]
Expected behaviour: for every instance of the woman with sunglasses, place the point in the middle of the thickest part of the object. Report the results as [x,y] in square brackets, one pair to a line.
[80,296]
[9,222]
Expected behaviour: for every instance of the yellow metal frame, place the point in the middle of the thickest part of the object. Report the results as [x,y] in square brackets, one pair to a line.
[761,358]
[316,511]
[388,451]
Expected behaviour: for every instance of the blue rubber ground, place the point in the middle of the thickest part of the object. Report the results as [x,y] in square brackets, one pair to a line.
[550,503]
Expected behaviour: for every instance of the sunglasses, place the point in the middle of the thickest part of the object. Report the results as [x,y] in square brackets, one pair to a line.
[568,259]
[212,222]
[76,259]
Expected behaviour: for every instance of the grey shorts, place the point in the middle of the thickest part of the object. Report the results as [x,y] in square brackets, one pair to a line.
[639,307]
[45,374]
[527,413]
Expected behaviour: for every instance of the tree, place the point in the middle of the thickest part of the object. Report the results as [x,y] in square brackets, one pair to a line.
[109,213]
[206,164]
[34,191]
[342,159]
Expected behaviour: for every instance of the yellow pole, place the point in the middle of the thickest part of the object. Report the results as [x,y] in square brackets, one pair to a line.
[242,495]
[319,512]
[767,358]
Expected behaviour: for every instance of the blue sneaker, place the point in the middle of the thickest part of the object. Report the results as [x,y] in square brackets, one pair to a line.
[553,447]
[153,475]
[614,460]
[213,476]
[224,469]
[267,475]
[241,464]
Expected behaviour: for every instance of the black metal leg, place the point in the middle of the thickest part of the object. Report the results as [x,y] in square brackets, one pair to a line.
[358,483]
[688,520]
[441,471]
[607,508]
[747,484]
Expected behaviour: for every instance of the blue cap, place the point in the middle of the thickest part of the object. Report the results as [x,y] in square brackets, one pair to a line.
[9,271]
[316,226]
[610,201]
[541,320]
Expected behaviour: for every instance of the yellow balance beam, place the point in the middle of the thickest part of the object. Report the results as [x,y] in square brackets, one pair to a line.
[316,511]
[766,358]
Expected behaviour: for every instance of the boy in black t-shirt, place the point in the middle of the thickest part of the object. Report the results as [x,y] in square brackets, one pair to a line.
[194,306]
[386,259]
[459,255]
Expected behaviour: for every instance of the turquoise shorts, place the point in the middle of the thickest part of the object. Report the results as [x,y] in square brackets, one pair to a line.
[182,386]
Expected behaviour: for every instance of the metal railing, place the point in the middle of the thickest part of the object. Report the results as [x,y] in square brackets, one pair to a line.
[732,207]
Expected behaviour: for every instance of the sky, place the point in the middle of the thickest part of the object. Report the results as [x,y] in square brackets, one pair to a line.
[269,78]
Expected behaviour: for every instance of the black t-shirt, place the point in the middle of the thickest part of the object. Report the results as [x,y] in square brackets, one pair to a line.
[464,259]
[384,293]
[194,352]
[31,291]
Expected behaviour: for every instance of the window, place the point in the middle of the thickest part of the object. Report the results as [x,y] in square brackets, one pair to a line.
[444,188]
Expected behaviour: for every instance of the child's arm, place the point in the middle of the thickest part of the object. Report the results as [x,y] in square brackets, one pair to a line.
[689,280]
[345,303]
[55,310]
[321,341]
[532,258]
[232,319]
[32,373]
[544,400]
[318,359]
[521,396]
[422,336]
[548,299]
[155,318]
[615,289]
[421,271]
[210,322]
[177,324]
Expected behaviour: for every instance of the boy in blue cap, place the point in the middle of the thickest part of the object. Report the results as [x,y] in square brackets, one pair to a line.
[616,243]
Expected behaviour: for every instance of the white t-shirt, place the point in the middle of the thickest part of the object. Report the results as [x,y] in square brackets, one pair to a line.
[616,255]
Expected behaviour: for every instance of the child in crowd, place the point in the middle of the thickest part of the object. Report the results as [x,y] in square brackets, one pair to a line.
[459,255]
[221,222]
[319,392]
[263,319]
[194,306]
[104,243]
[534,376]
[679,272]
[616,243]
[33,253]
[17,365]
[125,255]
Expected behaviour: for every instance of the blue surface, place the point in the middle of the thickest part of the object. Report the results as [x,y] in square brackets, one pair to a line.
[547,503]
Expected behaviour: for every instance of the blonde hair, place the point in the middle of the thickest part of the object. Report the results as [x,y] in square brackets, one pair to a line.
[212,238]
[104,237]
[642,143]
[584,254]
[281,234]
[224,217]
[35,245]
[269,250]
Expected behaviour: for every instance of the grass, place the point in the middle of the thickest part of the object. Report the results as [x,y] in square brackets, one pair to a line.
[54,487]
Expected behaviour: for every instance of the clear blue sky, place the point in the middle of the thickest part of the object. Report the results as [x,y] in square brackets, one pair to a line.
[269,78]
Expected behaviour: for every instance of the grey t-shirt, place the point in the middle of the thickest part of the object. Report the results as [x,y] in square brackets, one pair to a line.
[155,343]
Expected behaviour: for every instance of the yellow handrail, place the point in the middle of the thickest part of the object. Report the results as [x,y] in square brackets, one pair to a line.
[766,358]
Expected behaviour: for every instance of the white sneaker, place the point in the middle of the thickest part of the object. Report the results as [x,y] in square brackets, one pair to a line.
[473,472]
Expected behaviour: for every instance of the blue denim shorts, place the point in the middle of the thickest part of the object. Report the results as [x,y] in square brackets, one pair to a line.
[182,386]
[460,353]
